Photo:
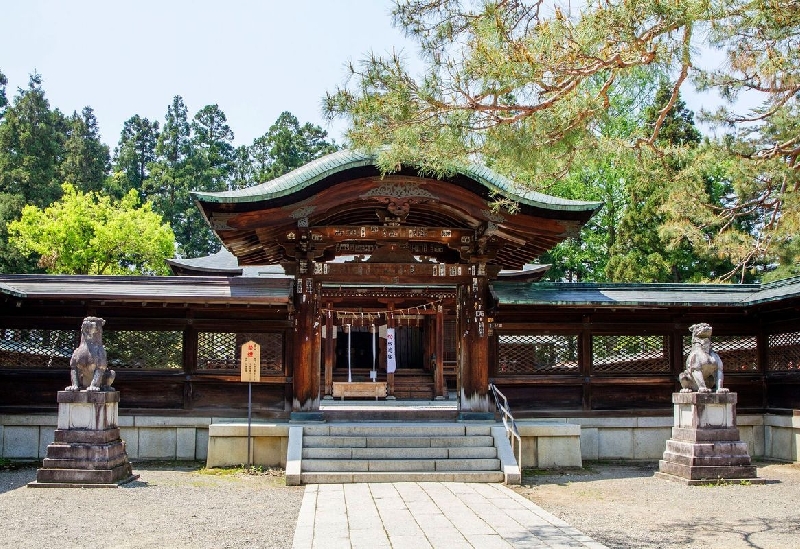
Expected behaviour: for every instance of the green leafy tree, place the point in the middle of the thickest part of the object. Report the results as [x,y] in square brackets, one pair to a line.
[286,146]
[604,174]
[86,158]
[172,176]
[90,233]
[242,173]
[641,253]
[672,125]
[11,260]
[3,98]
[135,151]
[509,76]
[584,259]
[31,144]
[212,142]
[211,165]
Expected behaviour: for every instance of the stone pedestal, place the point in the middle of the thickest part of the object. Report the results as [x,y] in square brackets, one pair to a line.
[87,450]
[705,444]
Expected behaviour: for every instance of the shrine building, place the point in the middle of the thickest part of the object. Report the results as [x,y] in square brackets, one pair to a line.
[349,279]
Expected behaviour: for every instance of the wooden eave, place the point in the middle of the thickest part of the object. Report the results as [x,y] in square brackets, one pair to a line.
[258,232]
[147,289]
[735,298]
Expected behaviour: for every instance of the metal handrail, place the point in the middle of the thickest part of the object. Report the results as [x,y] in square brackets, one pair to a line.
[501,402]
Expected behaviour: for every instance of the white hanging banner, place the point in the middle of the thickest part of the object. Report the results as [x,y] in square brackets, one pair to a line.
[349,354]
[391,362]
[373,374]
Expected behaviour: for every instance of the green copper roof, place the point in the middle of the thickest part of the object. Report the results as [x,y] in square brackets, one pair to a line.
[340,161]
[637,295]
[154,289]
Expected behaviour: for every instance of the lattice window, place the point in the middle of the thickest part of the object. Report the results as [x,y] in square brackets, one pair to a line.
[21,348]
[222,350]
[630,354]
[537,354]
[738,353]
[784,352]
[450,330]
[147,350]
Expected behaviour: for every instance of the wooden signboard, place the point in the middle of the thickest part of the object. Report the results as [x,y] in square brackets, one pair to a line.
[251,362]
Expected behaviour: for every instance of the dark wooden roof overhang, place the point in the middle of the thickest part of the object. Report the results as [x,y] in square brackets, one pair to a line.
[763,304]
[150,289]
[447,220]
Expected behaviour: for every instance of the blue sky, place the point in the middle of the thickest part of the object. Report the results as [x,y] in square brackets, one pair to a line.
[254,59]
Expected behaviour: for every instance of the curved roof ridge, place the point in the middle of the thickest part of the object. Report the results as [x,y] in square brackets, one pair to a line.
[345,159]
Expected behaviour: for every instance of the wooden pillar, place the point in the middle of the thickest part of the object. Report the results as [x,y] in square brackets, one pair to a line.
[189,364]
[306,347]
[585,361]
[762,346]
[330,350]
[441,390]
[474,359]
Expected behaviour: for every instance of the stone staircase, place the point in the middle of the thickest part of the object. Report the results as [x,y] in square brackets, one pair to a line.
[398,452]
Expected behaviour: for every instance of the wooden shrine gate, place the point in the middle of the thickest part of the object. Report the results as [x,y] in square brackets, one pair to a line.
[386,296]
[404,330]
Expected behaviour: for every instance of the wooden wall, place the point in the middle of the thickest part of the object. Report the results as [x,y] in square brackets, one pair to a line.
[643,386]
[578,387]
[187,389]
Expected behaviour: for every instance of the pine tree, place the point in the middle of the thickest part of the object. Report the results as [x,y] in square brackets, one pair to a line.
[31,145]
[3,98]
[286,146]
[135,151]
[86,157]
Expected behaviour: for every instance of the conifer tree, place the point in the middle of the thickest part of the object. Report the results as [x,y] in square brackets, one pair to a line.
[86,159]
[135,151]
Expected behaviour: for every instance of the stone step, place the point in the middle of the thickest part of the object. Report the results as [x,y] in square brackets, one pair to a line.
[375,453]
[469,452]
[401,465]
[398,452]
[397,430]
[384,476]
[472,452]
[320,441]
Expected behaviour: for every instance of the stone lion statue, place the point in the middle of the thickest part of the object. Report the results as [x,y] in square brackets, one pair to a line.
[89,365]
[703,367]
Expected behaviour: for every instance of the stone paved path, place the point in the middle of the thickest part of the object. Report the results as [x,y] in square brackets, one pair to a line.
[423,515]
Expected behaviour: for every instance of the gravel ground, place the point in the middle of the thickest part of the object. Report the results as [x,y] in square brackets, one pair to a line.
[625,506]
[168,506]
[620,505]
